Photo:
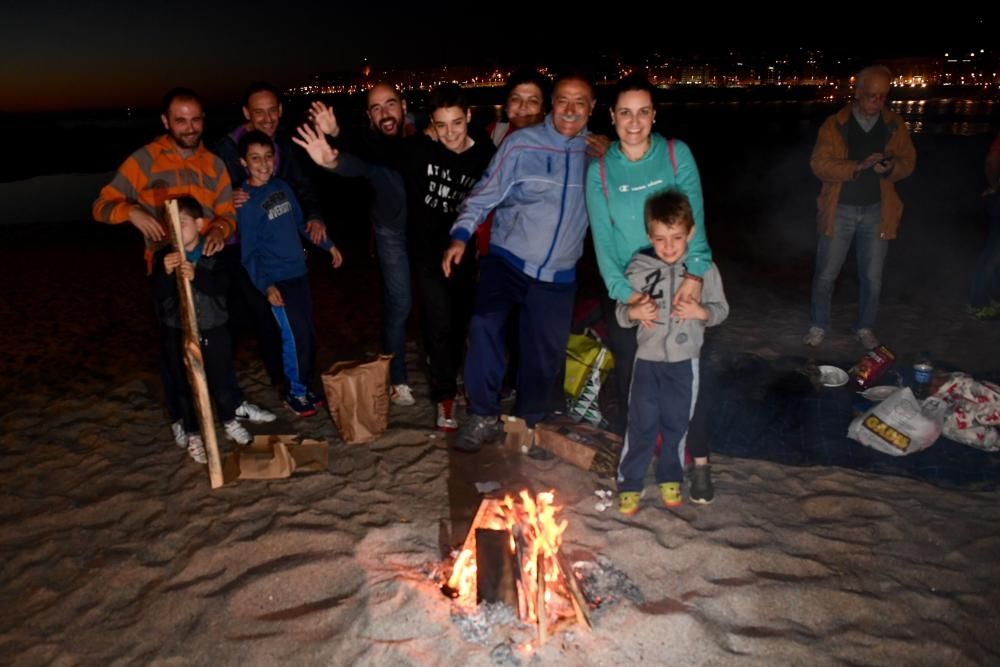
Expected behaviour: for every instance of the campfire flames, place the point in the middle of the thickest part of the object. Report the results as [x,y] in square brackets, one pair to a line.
[547,593]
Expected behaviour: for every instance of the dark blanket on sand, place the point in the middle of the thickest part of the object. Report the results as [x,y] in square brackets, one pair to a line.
[769,409]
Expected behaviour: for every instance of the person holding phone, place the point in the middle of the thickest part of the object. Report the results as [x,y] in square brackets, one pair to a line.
[861,152]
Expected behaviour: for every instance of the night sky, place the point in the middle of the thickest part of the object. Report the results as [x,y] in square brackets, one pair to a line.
[60,55]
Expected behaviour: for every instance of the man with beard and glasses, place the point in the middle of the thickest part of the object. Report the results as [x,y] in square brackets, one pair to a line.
[535,184]
[172,166]
[367,156]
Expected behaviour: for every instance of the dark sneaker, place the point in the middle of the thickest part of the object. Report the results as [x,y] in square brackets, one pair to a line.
[477,430]
[702,491]
[300,405]
[317,401]
[540,454]
[988,313]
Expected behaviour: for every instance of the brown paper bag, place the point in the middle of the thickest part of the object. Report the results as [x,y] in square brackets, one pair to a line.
[311,455]
[357,394]
[275,457]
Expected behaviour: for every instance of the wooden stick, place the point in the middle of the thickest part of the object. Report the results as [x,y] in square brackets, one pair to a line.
[540,611]
[486,506]
[523,588]
[192,355]
[575,594]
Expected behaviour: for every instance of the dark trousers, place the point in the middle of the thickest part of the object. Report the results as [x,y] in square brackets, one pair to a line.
[661,403]
[217,356]
[298,334]
[247,303]
[545,311]
[622,343]
[445,308]
[986,281]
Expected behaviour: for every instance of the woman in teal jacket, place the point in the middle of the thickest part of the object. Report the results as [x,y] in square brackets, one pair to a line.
[639,164]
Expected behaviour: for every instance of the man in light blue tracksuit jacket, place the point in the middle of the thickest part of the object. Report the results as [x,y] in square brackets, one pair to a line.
[535,183]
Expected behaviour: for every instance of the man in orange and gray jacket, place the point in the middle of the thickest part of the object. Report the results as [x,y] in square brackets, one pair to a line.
[173,165]
[860,153]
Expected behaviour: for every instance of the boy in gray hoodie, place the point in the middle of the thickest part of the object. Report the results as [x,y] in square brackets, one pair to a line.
[665,378]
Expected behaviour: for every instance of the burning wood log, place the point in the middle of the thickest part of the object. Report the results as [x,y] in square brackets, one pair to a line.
[496,577]
[540,610]
[576,595]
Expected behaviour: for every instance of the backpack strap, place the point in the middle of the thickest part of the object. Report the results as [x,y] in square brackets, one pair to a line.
[673,161]
[604,185]
[604,177]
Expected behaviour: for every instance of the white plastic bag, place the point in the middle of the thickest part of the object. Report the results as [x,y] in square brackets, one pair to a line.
[968,411]
[896,426]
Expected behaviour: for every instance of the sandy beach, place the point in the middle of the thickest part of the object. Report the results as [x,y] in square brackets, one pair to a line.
[116,551]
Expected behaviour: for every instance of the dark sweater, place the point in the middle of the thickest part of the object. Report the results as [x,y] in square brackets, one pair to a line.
[209,287]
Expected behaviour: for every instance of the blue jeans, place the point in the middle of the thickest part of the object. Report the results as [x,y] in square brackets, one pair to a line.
[987,276]
[861,222]
[396,297]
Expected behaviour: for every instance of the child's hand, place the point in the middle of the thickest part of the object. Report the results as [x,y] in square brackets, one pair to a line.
[644,311]
[187,270]
[171,261]
[274,297]
[338,259]
[688,309]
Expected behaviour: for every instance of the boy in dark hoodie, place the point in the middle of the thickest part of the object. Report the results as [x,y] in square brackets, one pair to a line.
[665,377]
[209,284]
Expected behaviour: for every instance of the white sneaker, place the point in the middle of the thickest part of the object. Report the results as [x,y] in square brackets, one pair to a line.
[401,394]
[254,413]
[446,416]
[867,338]
[236,432]
[814,337]
[196,448]
[180,437]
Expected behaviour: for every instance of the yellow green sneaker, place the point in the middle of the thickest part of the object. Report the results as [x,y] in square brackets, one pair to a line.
[628,502]
[670,492]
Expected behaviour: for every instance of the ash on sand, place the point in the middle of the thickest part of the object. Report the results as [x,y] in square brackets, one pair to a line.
[603,584]
[477,625]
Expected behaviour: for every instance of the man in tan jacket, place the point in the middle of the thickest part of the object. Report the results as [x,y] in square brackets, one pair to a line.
[860,153]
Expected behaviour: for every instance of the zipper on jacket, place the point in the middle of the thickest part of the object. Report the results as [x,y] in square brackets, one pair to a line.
[562,210]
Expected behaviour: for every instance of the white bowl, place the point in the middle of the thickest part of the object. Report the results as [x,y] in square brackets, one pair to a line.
[879,393]
[831,376]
